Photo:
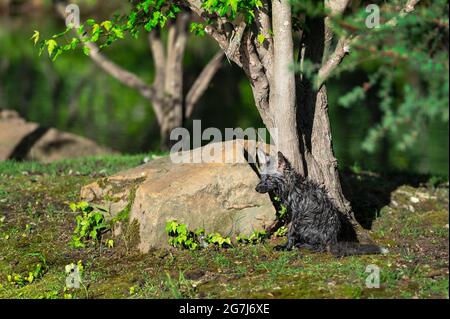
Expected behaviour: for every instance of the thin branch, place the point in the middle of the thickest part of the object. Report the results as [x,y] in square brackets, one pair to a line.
[408,8]
[342,48]
[344,44]
[202,82]
[335,8]
[122,75]
[159,58]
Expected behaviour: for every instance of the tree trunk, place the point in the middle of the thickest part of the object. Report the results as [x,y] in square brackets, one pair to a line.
[282,99]
[296,107]
[317,146]
[313,120]
[173,118]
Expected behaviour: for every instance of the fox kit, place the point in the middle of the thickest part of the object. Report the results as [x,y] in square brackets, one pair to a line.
[316,223]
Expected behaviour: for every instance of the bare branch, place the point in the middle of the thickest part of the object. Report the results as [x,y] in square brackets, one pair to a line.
[159,58]
[342,48]
[344,44]
[202,82]
[335,8]
[408,8]
[122,75]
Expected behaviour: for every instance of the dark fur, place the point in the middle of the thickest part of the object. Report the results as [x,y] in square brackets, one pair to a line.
[316,223]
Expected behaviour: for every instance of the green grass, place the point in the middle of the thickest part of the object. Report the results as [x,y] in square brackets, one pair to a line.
[416,267]
[100,165]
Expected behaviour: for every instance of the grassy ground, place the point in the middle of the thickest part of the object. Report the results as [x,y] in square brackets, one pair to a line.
[408,215]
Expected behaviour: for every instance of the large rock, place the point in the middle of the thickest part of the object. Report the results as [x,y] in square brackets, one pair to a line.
[28,141]
[219,197]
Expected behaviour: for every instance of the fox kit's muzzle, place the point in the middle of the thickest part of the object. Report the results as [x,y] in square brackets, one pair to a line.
[262,188]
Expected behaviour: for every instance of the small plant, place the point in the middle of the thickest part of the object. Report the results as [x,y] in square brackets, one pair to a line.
[281,209]
[280,232]
[110,243]
[181,237]
[218,240]
[38,272]
[91,225]
[255,238]
[179,288]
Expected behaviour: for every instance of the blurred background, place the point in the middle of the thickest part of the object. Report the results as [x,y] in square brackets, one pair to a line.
[73,95]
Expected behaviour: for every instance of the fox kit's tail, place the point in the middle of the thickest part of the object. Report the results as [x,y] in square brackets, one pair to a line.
[342,249]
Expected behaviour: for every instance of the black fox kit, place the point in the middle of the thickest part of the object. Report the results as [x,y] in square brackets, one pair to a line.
[316,223]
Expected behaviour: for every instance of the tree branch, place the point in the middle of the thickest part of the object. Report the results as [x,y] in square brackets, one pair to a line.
[264,25]
[335,8]
[342,48]
[122,75]
[202,82]
[159,59]
[217,32]
[344,44]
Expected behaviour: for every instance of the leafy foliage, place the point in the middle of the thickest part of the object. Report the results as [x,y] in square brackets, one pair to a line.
[145,15]
[280,232]
[38,272]
[406,62]
[255,238]
[282,212]
[218,240]
[181,237]
[91,225]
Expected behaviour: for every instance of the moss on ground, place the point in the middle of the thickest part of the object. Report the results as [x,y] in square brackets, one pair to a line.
[411,221]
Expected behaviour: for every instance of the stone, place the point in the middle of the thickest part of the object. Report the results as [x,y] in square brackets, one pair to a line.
[217,196]
[24,140]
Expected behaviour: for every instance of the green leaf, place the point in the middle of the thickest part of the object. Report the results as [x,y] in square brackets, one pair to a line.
[261,38]
[73,207]
[86,50]
[106,25]
[234,4]
[35,37]
[118,33]
[51,45]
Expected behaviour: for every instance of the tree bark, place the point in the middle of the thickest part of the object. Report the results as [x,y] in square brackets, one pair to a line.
[313,120]
[282,98]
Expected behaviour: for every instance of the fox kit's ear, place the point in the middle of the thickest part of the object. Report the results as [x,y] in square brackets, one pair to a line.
[263,158]
[283,163]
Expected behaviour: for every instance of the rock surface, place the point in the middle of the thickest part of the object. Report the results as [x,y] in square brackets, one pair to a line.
[28,141]
[219,197]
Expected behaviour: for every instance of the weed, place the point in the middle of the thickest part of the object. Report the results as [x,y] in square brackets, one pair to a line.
[91,225]
[38,272]
[256,237]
